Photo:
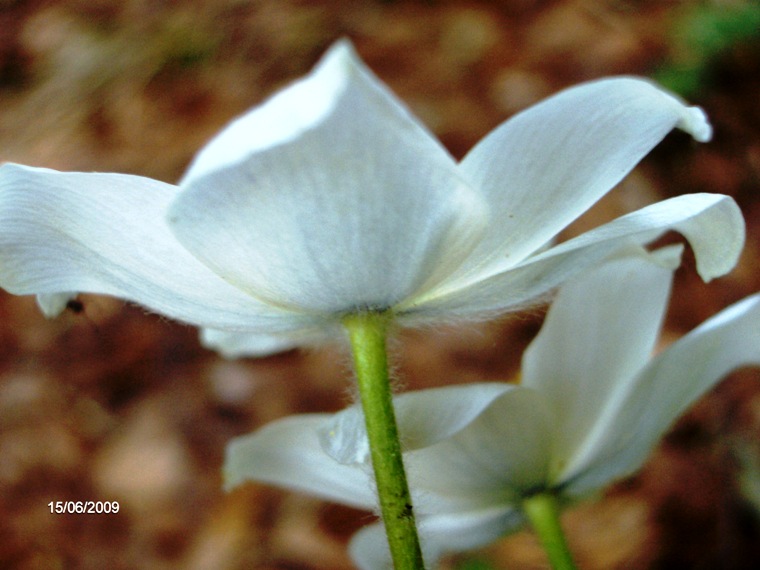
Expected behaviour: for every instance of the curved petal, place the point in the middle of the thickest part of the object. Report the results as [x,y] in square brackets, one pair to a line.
[329,197]
[665,388]
[233,344]
[439,535]
[497,458]
[287,453]
[458,532]
[544,167]
[105,233]
[712,224]
[53,304]
[599,332]
[369,549]
[424,418]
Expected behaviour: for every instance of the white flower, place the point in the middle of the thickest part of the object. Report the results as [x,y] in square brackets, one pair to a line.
[331,198]
[592,404]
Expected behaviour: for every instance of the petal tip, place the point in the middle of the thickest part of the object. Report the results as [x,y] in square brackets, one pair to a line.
[53,304]
[728,235]
[341,50]
[283,117]
[696,123]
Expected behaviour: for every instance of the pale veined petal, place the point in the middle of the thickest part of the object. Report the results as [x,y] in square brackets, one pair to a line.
[465,530]
[53,304]
[599,332]
[500,455]
[439,535]
[665,388]
[369,548]
[233,344]
[105,233]
[545,166]
[423,418]
[712,223]
[348,204]
[287,453]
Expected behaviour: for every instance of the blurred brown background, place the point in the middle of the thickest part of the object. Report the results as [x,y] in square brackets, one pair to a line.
[115,404]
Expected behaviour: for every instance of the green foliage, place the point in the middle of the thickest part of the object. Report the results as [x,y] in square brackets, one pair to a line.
[701,36]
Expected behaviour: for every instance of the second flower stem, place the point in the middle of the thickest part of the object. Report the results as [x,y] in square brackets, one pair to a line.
[368,332]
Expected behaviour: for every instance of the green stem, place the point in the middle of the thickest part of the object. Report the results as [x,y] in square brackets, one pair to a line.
[543,513]
[368,335]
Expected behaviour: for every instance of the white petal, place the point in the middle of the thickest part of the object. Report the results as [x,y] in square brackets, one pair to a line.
[547,165]
[712,224]
[369,549]
[53,304]
[599,332]
[438,536]
[423,418]
[233,344]
[105,233]
[668,385]
[329,197]
[458,532]
[287,453]
[498,457]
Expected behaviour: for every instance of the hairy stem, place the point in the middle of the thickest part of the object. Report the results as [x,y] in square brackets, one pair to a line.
[368,333]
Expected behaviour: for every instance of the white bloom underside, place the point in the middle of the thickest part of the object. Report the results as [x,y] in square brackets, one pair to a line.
[331,197]
[592,404]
